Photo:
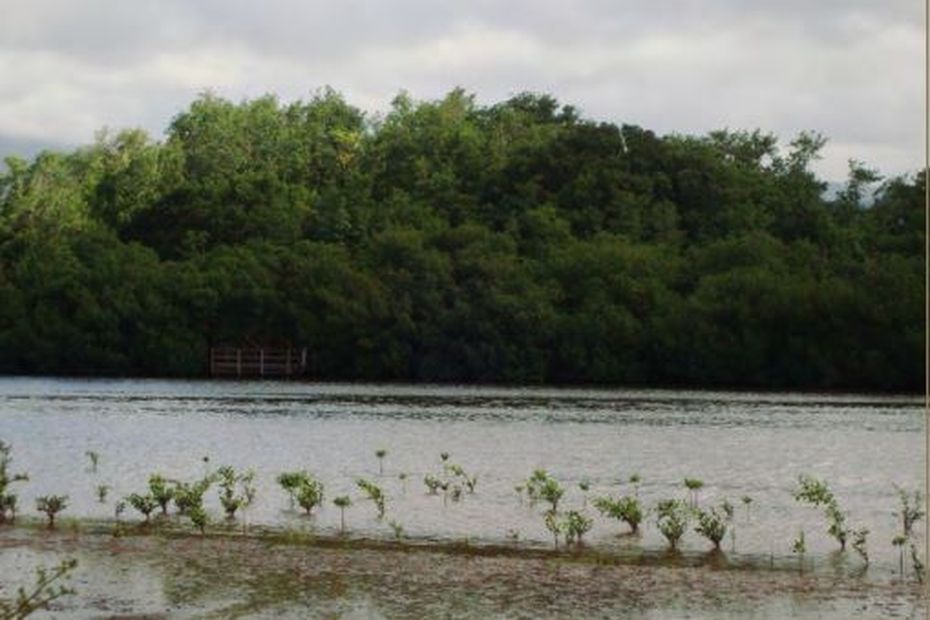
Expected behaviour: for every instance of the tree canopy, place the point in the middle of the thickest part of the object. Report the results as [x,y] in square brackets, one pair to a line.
[450,241]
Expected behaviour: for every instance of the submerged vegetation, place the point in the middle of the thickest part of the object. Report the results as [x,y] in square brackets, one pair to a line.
[452,241]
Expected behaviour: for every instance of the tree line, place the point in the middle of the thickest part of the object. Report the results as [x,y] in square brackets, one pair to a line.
[451,241]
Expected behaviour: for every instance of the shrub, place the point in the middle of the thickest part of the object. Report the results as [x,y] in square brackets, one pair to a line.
[381,453]
[143,503]
[309,494]
[51,505]
[199,518]
[102,491]
[626,509]
[44,591]
[711,525]
[342,502]
[672,520]
[575,525]
[160,492]
[189,496]
[236,490]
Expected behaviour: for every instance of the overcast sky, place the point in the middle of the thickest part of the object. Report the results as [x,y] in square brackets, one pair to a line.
[851,69]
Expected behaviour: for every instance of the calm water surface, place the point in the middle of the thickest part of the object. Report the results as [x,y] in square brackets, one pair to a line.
[738,443]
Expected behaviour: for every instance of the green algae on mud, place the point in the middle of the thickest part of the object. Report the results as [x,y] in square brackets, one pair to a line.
[169,572]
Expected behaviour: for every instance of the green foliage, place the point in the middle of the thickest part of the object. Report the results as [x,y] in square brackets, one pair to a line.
[8,499]
[143,503]
[189,496]
[452,241]
[818,493]
[46,589]
[541,486]
[161,492]
[199,518]
[374,493]
[860,542]
[911,510]
[102,491]
[381,453]
[672,518]
[307,490]
[575,525]
[712,524]
[51,505]
[236,490]
[625,508]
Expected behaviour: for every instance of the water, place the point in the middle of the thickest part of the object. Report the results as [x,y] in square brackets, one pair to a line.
[737,443]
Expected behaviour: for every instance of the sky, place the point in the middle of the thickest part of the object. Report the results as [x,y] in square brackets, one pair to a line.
[852,70]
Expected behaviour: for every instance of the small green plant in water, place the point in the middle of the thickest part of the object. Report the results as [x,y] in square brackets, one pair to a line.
[432,484]
[188,496]
[51,505]
[236,490]
[672,518]
[381,453]
[919,570]
[444,456]
[342,502]
[8,499]
[94,459]
[374,493]
[626,509]
[747,502]
[859,541]
[145,504]
[397,528]
[102,491]
[694,486]
[635,480]
[911,510]
[161,492]
[575,525]
[800,548]
[899,541]
[817,493]
[309,494]
[554,526]
[712,525]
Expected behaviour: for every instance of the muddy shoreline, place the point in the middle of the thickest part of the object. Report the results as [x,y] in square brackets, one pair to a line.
[169,572]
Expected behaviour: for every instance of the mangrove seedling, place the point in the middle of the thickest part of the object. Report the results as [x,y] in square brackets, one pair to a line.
[535,482]
[711,525]
[160,492]
[859,543]
[518,489]
[817,493]
[911,510]
[584,486]
[94,459]
[119,509]
[143,503]
[672,517]
[694,486]
[444,456]
[44,591]
[730,513]
[236,490]
[470,483]
[402,476]
[800,548]
[51,505]
[432,484]
[381,453]
[188,496]
[198,517]
[553,525]
[102,491]
[456,493]
[374,493]
[310,494]
[626,509]
[342,502]
[917,563]
[291,481]
[635,480]
[575,525]
[747,502]
[899,541]
[7,499]
[397,528]
[838,528]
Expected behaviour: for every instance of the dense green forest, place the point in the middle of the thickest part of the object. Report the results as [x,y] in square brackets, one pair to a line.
[451,241]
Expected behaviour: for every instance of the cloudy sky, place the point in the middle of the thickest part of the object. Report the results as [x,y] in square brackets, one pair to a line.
[851,69]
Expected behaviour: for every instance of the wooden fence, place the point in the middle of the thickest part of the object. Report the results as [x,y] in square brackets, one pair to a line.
[261,362]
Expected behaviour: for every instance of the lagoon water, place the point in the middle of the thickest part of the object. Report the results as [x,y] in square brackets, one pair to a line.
[738,443]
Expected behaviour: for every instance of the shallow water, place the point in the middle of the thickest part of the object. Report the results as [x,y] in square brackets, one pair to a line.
[737,443]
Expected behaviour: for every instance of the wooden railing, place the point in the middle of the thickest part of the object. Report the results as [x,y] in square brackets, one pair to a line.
[261,362]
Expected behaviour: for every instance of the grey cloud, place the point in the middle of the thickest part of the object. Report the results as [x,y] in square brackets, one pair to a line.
[851,69]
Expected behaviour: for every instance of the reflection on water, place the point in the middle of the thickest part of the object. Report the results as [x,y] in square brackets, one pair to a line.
[738,443]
